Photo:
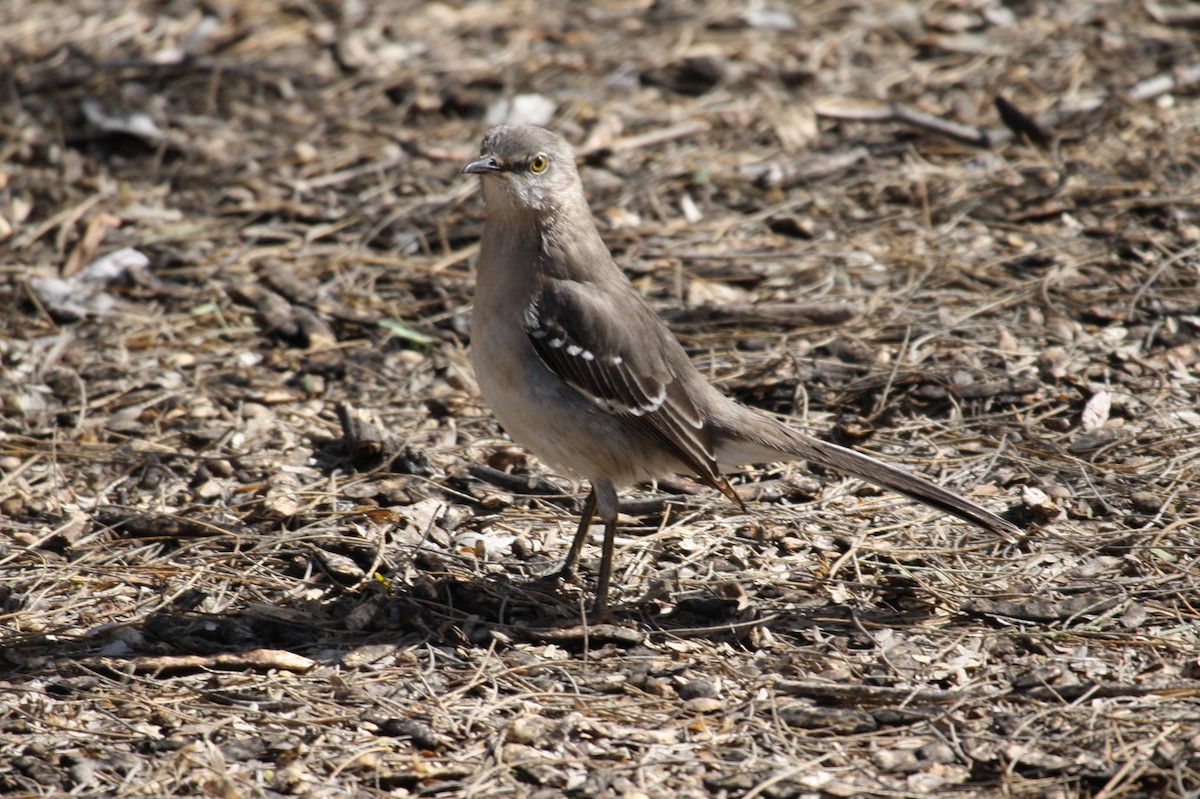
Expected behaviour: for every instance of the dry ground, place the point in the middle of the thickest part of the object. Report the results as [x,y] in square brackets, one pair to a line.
[207,588]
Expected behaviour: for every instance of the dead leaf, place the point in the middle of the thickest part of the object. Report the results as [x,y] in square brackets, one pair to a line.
[1095,412]
[85,249]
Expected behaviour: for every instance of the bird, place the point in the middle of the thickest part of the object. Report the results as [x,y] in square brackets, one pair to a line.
[581,371]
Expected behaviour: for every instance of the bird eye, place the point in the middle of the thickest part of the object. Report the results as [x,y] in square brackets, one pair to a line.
[538,163]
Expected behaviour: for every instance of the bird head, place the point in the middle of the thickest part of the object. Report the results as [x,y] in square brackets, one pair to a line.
[525,168]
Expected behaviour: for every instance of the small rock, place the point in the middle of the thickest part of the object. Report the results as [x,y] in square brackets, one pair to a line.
[1096,411]
[206,491]
[12,506]
[704,704]
[27,403]
[254,410]
[702,688]
[1053,362]
[340,567]
[1145,502]
[524,549]
[422,735]
[530,730]
[24,539]
[83,773]
[366,762]
[768,19]
[1036,501]
[937,752]
[896,760]
[1135,616]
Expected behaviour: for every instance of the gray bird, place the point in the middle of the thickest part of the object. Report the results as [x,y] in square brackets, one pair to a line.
[580,370]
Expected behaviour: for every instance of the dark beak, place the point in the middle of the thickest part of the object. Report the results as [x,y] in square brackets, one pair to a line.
[482,166]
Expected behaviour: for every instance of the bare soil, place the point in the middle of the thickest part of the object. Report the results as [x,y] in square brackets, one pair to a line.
[260,537]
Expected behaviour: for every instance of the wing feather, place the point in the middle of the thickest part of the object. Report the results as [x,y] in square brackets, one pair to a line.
[623,365]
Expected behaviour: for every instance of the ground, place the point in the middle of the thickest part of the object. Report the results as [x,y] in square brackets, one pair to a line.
[260,536]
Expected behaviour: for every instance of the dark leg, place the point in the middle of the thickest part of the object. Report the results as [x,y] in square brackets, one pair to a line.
[606,503]
[585,521]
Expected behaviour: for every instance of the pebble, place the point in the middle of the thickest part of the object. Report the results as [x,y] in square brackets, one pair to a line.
[702,688]
[12,506]
[703,704]
[937,752]
[254,410]
[1145,502]
[209,489]
[893,760]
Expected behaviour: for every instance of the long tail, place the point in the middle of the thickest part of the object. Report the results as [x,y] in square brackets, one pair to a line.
[754,438]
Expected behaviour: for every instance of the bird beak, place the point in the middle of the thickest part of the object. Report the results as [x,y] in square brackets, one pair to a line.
[482,166]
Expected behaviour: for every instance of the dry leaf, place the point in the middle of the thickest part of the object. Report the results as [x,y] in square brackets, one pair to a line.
[1095,412]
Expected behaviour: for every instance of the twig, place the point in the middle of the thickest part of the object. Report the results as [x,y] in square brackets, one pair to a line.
[807,168]
[1148,282]
[771,313]
[651,137]
[1107,690]
[516,483]
[1039,128]
[899,112]
[878,694]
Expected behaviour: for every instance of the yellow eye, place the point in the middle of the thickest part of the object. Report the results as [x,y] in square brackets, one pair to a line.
[538,163]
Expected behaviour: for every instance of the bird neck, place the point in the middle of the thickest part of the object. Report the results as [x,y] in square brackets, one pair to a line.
[523,247]
[568,240]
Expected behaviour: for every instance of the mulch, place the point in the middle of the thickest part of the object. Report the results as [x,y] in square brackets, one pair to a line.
[259,535]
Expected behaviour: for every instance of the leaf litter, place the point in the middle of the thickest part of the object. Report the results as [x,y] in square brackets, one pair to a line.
[259,536]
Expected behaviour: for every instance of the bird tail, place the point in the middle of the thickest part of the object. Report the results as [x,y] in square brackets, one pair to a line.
[760,439]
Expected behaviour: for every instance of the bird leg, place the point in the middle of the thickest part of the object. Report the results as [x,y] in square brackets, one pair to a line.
[585,522]
[606,505]
[603,499]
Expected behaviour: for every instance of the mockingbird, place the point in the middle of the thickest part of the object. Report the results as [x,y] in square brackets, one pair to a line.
[580,370]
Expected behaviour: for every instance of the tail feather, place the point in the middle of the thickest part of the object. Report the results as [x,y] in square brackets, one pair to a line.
[759,439]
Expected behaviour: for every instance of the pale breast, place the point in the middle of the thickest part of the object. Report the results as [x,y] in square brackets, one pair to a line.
[552,420]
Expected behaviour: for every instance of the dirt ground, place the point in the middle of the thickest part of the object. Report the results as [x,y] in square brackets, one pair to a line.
[259,536]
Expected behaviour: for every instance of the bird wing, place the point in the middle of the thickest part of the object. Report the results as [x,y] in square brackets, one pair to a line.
[619,356]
